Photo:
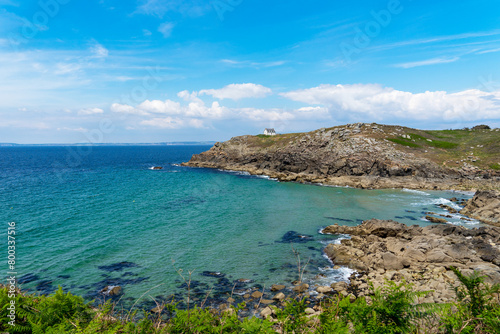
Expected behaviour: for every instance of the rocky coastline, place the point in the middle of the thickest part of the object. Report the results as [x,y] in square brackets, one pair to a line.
[355,155]
[382,250]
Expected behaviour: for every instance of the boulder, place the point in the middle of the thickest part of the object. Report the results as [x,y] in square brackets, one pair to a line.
[112,290]
[339,286]
[324,289]
[484,206]
[277,287]
[301,288]
[391,261]
[256,294]
[279,296]
[266,312]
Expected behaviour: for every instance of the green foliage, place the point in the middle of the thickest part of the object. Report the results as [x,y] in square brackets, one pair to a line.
[392,310]
[477,310]
[292,317]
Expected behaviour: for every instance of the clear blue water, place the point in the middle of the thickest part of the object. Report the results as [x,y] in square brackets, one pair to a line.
[81,208]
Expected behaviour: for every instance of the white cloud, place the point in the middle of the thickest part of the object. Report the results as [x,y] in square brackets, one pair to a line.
[61,68]
[160,107]
[164,123]
[427,62]
[90,111]
[126,109]
[266,114]
[489,51]
[384,103]
[253,64]
[146,32]
[99,51]
[166,29]
[80,129]
[312,113]
[238,91]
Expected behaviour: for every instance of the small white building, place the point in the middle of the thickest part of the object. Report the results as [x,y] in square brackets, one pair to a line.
[269,132]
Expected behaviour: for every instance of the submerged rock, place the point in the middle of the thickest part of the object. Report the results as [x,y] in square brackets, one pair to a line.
[112,290]
[436,220]
[295,237]
[213,274]
[28,278]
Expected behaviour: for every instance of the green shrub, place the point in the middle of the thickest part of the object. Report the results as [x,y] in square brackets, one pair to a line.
[477,309]
[392,310]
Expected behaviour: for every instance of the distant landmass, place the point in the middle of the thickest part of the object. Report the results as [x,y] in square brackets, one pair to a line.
[185,143]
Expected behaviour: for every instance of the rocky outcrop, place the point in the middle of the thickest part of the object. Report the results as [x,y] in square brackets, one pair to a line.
[356,155]
[423,256]
[484,206]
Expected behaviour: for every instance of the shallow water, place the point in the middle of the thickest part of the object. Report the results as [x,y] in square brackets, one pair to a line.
[80,210]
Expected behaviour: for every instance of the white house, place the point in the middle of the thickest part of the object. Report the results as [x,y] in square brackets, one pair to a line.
[269,132]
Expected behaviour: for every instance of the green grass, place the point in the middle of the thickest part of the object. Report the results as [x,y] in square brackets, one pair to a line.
[416,137]
[442,144]
[495,166]
[402,141]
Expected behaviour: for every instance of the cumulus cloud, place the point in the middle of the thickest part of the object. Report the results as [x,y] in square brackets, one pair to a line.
[381,103]
[90,111]
[160,107]
[238,91]
[266,114]
[127,109]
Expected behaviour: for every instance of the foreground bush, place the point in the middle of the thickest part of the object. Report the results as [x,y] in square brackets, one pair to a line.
[393,308]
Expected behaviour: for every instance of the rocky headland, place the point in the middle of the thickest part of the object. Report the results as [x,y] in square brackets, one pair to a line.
[366,156]
[385,249]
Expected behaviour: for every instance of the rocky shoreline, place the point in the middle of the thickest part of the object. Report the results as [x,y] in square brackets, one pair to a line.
[382,250]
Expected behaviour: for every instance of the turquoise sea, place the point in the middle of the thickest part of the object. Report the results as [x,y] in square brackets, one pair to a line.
[88,217]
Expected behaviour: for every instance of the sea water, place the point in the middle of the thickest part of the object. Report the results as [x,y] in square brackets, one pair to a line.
[89,217]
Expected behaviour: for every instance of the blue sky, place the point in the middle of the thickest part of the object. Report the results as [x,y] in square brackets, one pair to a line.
[167,70]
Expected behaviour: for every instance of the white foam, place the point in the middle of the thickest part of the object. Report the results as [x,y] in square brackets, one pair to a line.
[416,192]
[438,201]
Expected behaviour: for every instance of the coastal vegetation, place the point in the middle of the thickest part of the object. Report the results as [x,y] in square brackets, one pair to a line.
[392,308]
